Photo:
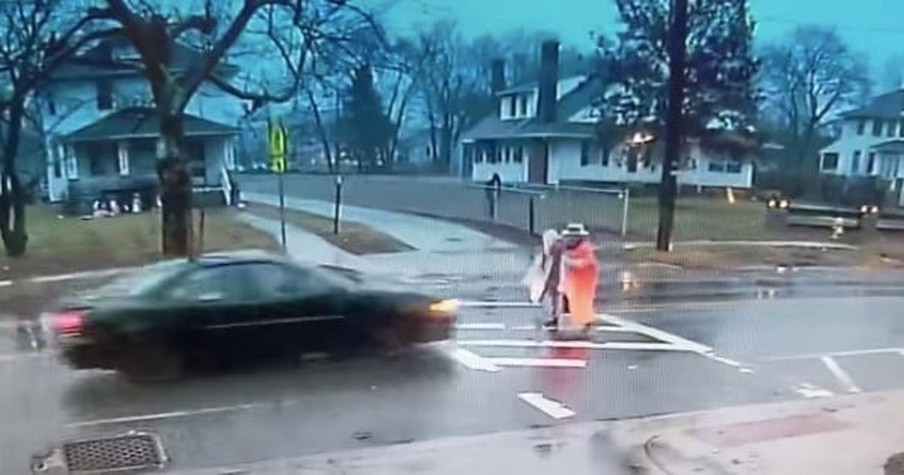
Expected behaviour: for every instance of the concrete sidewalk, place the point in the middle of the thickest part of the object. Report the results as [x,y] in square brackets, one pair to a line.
[425,234]
[848,435]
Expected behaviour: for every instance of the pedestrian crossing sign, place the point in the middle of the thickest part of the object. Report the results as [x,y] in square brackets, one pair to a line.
[278,150]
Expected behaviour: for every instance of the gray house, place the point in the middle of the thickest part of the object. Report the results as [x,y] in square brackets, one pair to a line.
[101,130]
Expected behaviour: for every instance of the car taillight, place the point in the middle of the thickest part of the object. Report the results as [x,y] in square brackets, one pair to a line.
[69,322]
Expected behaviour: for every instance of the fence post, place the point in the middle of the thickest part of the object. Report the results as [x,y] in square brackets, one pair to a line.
[338,204]
[624,219]
[531,216]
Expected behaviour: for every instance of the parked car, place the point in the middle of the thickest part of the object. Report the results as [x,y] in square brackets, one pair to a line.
[166,317]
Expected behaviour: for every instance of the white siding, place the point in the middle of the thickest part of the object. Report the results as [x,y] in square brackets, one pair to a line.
[565,165]
[850,142]
[75,106]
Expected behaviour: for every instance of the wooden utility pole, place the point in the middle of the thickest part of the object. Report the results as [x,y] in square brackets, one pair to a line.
[674,137]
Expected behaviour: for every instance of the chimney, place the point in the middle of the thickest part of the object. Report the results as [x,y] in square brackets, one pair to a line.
[497,76]
[548,81]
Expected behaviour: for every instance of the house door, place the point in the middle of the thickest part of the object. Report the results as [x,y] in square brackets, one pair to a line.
[538,163]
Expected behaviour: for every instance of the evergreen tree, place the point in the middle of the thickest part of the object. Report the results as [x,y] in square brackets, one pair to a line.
[368,128]
[720,99]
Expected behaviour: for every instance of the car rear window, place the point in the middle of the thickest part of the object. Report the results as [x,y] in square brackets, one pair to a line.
[142,280]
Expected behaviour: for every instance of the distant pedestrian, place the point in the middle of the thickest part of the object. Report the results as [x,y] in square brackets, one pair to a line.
[493,191]
[580,275]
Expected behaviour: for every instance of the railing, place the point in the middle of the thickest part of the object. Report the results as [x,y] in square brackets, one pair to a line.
[529,209]
[226,181]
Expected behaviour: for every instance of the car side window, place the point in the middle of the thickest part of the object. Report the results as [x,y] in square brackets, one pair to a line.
[280,281]
[222,283]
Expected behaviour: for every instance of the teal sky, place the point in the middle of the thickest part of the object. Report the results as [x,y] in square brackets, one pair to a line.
[875,27]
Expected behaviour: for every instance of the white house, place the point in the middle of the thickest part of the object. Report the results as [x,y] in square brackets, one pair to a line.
[532,139]
[870,143]
[101,131]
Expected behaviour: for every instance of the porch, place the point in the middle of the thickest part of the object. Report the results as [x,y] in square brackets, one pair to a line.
[116,157]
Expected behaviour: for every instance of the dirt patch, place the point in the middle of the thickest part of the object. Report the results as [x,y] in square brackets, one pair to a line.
[59,245]
[355,238]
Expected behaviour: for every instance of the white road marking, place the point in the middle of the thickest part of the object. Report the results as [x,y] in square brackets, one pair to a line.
[472,360]
[578,344]
[811,391]
[808,356]
[166,415]
[5,283]
[554,409]
[678,341]
[539,362]
[17,357]
[492,304]
[843,377]
[480,326]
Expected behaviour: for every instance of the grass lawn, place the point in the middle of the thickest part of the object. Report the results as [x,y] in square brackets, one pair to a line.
[61,245]
[355,238]
[713,219]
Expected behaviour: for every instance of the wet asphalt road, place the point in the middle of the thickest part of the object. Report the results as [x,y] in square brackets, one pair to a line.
[764,350]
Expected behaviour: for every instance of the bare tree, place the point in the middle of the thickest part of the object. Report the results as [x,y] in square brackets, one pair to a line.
[293,28]
[35,38]
[809,77]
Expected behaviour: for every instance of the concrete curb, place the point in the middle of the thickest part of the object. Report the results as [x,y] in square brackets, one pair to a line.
[630,246]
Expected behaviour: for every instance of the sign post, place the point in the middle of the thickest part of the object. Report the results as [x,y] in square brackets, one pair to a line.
[278,158]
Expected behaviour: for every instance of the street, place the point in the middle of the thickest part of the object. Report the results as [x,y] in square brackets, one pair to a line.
[502,374]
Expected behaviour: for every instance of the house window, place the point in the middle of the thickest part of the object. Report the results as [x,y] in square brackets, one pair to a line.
[829,161]
[104,94]
[890,131]
[523,101]
[716,166]
[585,153]
[604,156]
[870,162]
[513,104]
[197,161]
[861,127]
[877,128]
[901,128]
[51,105]
[518,154]
[855,163]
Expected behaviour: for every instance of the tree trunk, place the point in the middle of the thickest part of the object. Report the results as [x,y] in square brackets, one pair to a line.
[321,130]
[175,187]
[12,197]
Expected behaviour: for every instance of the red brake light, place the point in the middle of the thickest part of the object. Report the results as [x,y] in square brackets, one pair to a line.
[69,322]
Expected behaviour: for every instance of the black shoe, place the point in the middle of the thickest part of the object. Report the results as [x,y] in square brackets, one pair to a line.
[551,325]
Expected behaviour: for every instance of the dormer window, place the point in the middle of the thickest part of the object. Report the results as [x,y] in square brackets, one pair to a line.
[513,105]
[522,101]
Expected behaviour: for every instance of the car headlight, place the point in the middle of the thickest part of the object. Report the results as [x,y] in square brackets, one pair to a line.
[444,306]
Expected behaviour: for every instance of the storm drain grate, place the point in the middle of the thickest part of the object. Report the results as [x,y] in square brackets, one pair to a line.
[127,452]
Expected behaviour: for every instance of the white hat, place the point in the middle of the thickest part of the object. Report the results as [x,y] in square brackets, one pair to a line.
[575,229]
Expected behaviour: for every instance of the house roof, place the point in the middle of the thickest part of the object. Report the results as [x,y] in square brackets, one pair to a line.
[893,146]
[492,127]
[143,122]
[99,61]
[884,106]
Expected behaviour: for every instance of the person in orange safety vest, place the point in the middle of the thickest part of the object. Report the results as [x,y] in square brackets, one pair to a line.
[579,275]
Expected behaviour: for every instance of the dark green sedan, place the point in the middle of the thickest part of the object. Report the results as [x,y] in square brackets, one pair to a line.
[156,323]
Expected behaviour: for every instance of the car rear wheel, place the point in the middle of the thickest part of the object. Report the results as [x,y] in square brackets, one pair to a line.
[153,363]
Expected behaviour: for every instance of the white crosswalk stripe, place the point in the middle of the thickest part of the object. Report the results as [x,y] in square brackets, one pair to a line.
[475,337]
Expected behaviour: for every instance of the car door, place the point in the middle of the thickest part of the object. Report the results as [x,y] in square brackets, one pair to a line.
[300,309]
[217,308]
